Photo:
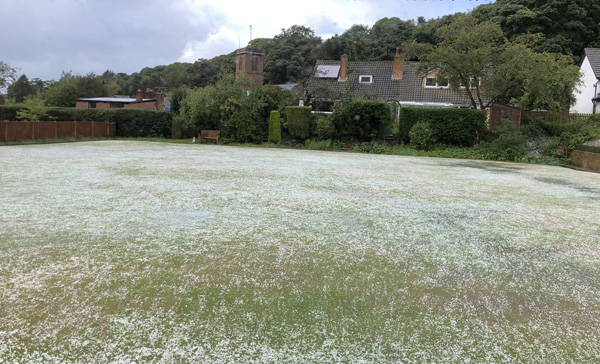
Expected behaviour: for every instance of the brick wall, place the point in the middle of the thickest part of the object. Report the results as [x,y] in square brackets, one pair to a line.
[149,105]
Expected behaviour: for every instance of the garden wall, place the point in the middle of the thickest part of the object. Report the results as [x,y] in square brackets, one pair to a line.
[33,130]
[589,160]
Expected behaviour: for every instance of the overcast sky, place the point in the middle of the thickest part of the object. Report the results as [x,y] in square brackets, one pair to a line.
[44,37]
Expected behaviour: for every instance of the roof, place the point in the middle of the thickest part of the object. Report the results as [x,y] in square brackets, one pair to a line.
[407,89]
[124,100]
[593,55]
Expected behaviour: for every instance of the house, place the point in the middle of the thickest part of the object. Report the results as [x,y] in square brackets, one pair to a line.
[587,99]
[398,81]
[154,101]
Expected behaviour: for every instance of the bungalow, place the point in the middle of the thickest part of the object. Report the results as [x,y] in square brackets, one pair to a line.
[587,99]
[398,81]
[155,101]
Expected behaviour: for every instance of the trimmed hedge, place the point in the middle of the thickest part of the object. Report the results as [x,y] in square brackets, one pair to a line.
[274,127]
[362,120]
[449,126]
[298,121]
[130,122]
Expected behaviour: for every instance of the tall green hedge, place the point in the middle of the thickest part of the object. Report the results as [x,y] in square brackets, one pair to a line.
[274,127]
[449,126]
[130,122]
[362,120]
[298,121]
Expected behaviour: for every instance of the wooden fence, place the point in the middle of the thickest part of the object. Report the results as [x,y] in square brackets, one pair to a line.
[33,130]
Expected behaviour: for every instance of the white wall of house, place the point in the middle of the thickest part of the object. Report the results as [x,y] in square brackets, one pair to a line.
[584,104]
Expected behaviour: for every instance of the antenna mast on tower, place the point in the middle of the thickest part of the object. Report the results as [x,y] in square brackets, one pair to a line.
[250,34]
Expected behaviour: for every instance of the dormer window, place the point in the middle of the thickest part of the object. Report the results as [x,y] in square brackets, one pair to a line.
[433,82]
[365,79]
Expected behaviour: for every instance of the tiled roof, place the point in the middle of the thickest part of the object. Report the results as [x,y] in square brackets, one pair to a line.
[409,88]
[593,55]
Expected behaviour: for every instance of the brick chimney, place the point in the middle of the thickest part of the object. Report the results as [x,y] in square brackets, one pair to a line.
[398,71]
[344,69]
[138,95]
[160,100]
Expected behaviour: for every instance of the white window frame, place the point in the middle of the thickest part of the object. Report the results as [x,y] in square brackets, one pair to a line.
[361,81]
[436,84]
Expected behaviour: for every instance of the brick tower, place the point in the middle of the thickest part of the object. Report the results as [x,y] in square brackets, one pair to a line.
[249,62]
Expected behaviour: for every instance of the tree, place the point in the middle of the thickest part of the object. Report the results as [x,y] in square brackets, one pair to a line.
[35,108]
[565,26]
[62,94]
[90,85]
[387,34]
[478,60]
[20,89]
[8,75]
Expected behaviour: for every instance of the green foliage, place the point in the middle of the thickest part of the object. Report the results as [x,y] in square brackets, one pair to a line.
[35,109]
[8,75]
[9,112]
[448,126]
[141,123]
[508,144]
[421,136]
[505,71]
[61,94]
[176,98]
[274,127]
[323,144]
[362,120]
[298,121]
[587,148]
[324,127]
[20,89]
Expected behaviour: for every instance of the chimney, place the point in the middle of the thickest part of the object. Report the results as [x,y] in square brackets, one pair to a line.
[398,71]
[138,95]
[160,100]
[344,69]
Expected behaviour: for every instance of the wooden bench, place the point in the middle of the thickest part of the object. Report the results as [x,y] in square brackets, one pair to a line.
[209,134]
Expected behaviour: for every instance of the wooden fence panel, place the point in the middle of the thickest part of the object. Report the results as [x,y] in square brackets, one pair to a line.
[44,130]
[19,130]
[100,129]
[65,129]
[84,129]
[3,131]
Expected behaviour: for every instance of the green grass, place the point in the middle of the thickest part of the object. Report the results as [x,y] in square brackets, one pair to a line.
[129,251]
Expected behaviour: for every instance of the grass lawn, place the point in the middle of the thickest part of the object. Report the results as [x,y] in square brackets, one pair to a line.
[128,251]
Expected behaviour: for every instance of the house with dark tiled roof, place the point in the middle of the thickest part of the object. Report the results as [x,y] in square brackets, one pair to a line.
[587,100]
[395,81]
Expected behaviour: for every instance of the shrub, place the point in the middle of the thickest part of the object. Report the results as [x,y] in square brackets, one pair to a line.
[274,127]
[362,120]
[324,128]
[448,126]
[421,136]
[508,144]
[141,123]
[9,112]
[298,121]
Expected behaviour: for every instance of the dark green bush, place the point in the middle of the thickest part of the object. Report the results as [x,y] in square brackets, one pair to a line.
[9,112]
[324,127]
[449,126]
[362,120]
[274,127]
[298,121]
[141,123]
[421,136]
[76,114]
[587,148]
[507,143]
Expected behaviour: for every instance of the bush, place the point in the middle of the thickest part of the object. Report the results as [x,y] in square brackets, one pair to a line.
[421,136]
[448,126]
[141,123]
[298,121]
[9,112]
[362,120]
[274,127]
[509,144]
[324,127]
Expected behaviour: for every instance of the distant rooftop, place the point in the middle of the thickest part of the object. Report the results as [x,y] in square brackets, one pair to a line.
[124,100]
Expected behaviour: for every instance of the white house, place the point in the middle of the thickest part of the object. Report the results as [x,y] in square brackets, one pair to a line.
[588,99]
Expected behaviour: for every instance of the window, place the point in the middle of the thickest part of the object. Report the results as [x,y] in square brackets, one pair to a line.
[254,64]
[434,82]
[365,79]
[92,104]
[116,105]
[239,63]
[474,82]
